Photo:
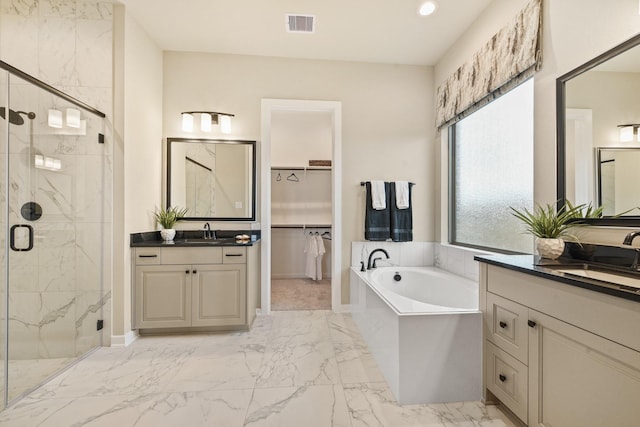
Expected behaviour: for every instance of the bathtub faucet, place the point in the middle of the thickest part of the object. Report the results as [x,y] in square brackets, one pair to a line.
[371,265]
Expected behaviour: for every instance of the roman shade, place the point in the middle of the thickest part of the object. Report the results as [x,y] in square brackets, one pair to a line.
[512,56]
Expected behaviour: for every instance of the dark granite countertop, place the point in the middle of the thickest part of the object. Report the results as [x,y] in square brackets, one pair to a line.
[193,238]
[536,266]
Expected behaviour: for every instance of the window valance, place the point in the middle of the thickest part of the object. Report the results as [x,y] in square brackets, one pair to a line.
[511,56]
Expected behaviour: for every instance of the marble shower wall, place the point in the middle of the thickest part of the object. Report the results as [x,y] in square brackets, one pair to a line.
[55,296]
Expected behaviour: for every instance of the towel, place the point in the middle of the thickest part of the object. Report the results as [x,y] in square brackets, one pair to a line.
[378,195]
[377,223]
[402,194]
[321,252]
[311,249]
[401,220]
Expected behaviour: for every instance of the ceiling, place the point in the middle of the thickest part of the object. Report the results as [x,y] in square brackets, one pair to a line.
[383,31]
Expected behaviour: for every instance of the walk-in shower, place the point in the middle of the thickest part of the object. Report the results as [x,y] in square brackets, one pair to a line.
[53,223]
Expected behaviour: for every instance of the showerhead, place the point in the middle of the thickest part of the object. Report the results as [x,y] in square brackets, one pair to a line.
[15,117]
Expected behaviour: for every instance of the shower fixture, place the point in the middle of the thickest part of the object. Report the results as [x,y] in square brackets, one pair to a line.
[15,117]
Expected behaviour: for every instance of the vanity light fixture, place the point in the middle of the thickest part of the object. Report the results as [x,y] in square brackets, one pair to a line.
[54,118]
[207,119]
[73,118]
[187,122]
[428,7]
[629,131]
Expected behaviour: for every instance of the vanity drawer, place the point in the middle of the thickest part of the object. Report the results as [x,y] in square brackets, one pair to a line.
[507,324]
[507,378]
[197,255]
[147,256]
[234,255]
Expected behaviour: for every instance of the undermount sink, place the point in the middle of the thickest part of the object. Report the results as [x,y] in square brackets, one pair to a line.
[200,241]
[582,270]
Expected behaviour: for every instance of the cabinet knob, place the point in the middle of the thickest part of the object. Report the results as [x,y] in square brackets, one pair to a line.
[531,323]
[194,271]
[502,377]
[503,325]
[186,272]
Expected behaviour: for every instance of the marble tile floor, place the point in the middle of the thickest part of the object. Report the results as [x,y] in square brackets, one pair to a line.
[294,368]
[25,375]
[300,294]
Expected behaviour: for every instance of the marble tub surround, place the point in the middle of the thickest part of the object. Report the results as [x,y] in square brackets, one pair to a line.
[307,368]
[454,259]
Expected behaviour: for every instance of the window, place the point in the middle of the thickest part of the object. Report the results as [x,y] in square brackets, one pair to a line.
[491,169]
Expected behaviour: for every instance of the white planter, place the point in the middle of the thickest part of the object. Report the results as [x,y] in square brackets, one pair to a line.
[168,234]
[549,248]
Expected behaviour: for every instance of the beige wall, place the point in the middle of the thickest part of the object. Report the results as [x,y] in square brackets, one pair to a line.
[574,31]
[387,118]
[138,153]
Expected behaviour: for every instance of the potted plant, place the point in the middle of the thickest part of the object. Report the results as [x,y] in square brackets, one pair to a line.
[167,219]
[549,226]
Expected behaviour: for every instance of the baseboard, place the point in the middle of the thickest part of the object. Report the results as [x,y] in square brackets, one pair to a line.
[345,308]
[124,340]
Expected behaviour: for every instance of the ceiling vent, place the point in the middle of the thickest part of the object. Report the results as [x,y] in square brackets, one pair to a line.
[301,23]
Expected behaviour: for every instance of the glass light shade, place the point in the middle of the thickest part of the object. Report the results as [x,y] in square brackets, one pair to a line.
[428,7]
[626,133]
[187,122]
[225,124]
[73,118]
[205,122]
[38,160]
[54,118]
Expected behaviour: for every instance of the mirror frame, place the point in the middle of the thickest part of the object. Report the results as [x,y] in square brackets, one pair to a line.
[221,141]
[627,221]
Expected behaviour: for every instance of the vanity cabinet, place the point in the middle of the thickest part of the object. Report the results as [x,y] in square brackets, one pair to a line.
[558,355]
[195,287]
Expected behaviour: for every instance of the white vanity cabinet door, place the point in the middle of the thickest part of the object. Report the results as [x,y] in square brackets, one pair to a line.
[579,379]
[163,296]
[219,295]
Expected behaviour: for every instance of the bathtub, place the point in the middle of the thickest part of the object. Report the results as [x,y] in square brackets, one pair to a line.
[423,327]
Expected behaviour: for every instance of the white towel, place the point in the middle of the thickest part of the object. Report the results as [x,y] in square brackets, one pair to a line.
[321,252]
[402,194]
[311,249]
[378,196]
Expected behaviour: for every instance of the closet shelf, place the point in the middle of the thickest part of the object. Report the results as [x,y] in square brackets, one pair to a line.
[300,225]
[301,168]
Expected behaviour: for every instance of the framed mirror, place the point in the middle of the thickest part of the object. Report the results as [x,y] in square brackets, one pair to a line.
[594,103]
[215,179]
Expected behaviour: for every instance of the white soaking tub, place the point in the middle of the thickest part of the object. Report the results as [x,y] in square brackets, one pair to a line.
[423,326]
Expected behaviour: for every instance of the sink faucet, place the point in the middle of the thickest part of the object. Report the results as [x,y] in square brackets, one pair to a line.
[208,234]
[371,265]
[628,240]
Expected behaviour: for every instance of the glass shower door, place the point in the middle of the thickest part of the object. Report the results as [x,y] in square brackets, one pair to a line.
[54,230]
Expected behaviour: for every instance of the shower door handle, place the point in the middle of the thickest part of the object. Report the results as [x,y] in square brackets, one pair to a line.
[12,238]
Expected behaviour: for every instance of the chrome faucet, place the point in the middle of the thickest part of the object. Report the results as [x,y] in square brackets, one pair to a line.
[628,240]
[371,265]
[208,234]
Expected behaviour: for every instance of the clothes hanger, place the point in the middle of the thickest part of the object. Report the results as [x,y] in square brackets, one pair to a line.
[279,177]
[293,177]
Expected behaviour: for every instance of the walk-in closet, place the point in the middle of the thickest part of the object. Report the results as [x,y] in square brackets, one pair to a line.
[301,211]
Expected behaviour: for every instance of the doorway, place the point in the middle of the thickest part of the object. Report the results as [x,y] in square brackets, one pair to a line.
[300,201]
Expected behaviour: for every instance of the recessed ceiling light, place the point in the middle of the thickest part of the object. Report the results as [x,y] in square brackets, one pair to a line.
[428,8]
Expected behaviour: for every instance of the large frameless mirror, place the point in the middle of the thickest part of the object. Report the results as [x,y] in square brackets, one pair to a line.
[213,178]
[598,112]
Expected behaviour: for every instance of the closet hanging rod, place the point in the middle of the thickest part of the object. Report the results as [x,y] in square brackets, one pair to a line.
[362,183]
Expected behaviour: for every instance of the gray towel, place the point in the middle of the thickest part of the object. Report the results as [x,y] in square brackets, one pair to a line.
[377,223]
[401,219]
